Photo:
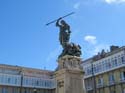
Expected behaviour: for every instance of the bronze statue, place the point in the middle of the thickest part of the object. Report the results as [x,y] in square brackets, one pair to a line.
[64,34]
[64,37]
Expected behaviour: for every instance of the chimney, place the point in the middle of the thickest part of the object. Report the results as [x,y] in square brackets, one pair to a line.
[112,48]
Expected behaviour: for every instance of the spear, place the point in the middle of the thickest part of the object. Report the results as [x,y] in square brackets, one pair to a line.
[60,17]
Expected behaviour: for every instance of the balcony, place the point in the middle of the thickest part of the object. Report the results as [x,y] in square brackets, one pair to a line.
[122,80]
[100,85]
[111,83]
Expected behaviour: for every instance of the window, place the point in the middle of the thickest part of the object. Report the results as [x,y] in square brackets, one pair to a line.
[107,64]
[1,78]
[111,78]
[8,81]
[100,67]
[37,83]
[88,84]
[112,62]
[26,81]
[115,61]
[122,75]
[47,83]
[4,90]
[97,68]
[119,60]
[103,65]
[123,59]
[42,83]
[89,70]
[15,80]
[85,69]
[100,81]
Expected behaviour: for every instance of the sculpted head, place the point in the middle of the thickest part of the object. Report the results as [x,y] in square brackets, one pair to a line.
[63,22]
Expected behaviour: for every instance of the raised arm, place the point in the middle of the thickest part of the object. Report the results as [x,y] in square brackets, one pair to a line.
[57,22]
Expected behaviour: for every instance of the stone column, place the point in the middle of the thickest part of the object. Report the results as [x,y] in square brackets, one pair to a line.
[69,75]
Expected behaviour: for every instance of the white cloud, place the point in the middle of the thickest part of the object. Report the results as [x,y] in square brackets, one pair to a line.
[80,3]
[77,5]
[90,39]
[114,1]
[94,46]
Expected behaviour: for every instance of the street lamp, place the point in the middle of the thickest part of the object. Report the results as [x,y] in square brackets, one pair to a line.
[21,82]
[93,76]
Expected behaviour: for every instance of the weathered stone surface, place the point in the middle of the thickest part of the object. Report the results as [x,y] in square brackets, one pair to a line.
[69,75]
[69,62]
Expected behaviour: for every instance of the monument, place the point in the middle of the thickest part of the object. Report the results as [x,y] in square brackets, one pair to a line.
[69,73]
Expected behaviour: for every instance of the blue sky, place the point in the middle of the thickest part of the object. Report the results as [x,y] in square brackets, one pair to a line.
[26,41]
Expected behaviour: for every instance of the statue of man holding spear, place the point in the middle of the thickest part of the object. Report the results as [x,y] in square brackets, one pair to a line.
[64,34]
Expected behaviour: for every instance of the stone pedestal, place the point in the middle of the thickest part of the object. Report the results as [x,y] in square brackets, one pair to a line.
[69,75]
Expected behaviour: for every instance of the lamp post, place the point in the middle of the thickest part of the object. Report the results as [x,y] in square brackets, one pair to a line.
[21,82]
[93,77]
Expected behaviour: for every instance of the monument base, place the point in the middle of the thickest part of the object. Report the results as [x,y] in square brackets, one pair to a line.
[69,76]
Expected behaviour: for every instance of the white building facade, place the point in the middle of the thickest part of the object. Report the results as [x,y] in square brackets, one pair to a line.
[15,79]
[105,73]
